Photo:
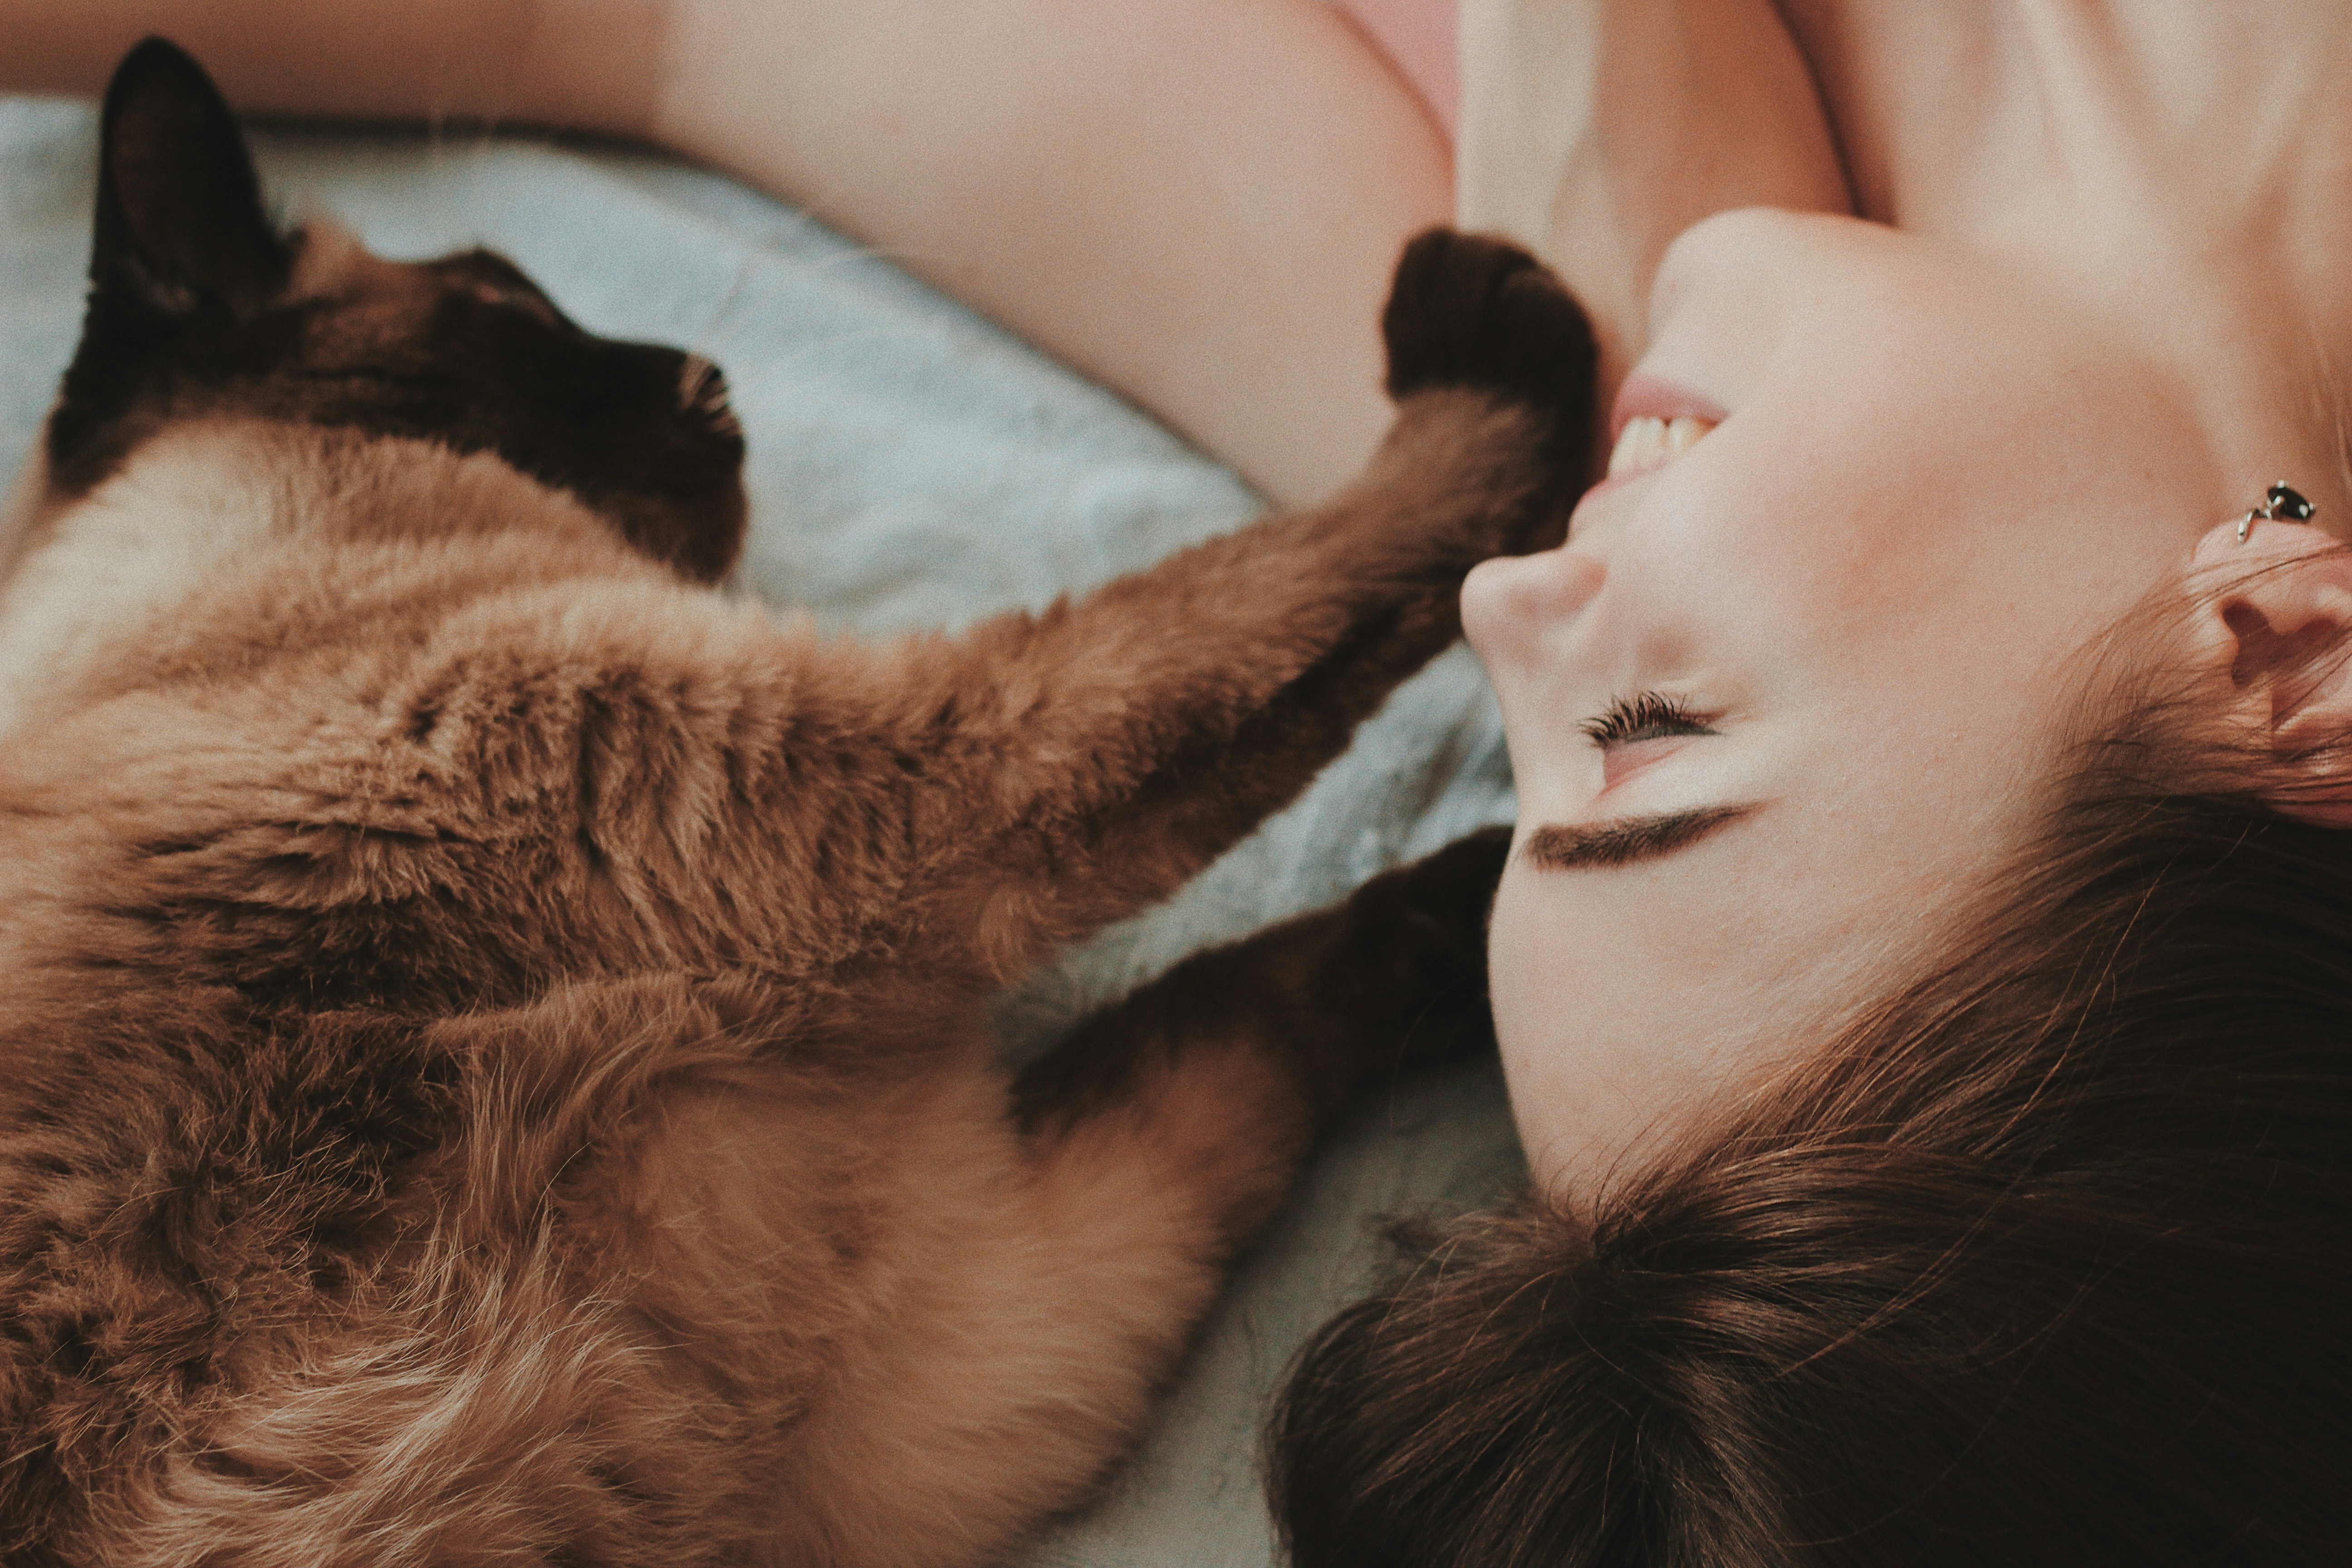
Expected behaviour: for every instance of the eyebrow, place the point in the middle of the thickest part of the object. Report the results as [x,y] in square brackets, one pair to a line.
[1626,840]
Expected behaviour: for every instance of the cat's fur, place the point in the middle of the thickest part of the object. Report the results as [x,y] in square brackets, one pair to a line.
[495,1060]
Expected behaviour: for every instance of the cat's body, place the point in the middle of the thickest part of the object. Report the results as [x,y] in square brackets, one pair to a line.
[496,1067]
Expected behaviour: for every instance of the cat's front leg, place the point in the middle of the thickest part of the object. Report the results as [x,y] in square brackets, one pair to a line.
[1102,753]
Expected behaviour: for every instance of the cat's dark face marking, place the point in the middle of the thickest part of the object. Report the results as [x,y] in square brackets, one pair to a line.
[199,307]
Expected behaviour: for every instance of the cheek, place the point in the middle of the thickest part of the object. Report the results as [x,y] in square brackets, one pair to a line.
[1524,957]
[1626,1009]
[1581,1023]
[1777,568]
[1515,949]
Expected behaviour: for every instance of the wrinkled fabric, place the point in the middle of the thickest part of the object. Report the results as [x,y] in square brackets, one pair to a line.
[912,465]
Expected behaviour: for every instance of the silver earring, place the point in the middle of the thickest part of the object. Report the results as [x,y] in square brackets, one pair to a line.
[2281,503]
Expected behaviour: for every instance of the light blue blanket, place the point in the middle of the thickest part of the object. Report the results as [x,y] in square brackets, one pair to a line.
[912,465]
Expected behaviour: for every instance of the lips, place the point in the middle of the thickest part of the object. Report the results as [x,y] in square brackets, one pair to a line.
[1654,423]
[1648,398]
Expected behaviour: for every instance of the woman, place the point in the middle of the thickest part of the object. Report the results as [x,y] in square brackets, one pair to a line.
[1917,973]
[1920,976]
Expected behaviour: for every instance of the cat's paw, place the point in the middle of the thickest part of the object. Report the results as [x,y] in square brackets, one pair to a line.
[1415,966]
[1473,312]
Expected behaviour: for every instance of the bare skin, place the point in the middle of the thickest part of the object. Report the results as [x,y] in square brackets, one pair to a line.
[1159,194]
[1595,132]
[2126,149]
[2095,307]
[2092,304]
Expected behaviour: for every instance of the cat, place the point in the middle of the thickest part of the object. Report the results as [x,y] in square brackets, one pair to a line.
[496,1067]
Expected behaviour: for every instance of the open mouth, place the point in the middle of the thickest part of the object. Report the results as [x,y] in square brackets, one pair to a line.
[1649,442]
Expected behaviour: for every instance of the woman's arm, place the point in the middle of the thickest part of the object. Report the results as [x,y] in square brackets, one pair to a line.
[585,63]
[1197,202]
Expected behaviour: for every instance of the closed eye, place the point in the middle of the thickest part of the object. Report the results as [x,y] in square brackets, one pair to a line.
[1650,716]
[494,280]
[512,297]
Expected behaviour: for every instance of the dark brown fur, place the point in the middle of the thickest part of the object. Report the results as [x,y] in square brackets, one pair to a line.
[496,1061]
[198,307]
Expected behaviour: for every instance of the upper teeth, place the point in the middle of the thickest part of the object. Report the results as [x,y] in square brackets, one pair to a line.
[1647,441]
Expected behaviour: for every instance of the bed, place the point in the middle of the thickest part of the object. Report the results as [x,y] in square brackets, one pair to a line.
[912,465]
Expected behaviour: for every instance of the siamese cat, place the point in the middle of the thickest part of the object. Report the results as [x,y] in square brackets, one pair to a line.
[496,1061]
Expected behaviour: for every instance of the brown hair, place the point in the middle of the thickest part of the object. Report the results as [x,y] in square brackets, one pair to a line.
[2043,1261]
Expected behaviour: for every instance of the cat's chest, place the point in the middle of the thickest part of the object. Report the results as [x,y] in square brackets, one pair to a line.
[333,851]
[109,569]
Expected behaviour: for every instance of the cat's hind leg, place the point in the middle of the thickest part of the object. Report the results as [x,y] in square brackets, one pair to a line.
[1237,1058]
[1062,1286]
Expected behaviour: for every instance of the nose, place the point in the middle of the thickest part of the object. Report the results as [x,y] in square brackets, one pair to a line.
[702,388]
[1508,604]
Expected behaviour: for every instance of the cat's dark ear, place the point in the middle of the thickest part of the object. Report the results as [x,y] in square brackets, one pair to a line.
[182,231]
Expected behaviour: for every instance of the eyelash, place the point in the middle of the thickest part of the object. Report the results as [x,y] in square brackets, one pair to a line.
[1651,716]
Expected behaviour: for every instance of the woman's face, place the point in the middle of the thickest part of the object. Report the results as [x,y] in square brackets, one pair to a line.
[1779,698]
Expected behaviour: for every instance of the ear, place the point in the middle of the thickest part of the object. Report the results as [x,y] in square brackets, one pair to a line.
[2276,621]
[181,228]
